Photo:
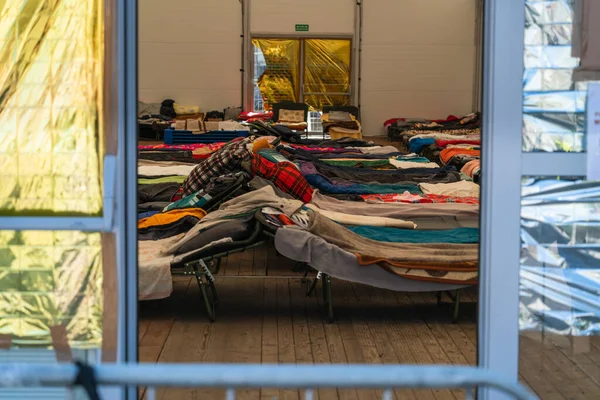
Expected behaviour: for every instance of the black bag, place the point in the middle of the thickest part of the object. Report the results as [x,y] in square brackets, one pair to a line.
[167,109]
[215,115]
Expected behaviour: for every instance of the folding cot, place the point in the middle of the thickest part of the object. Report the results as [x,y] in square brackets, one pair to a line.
[329,261]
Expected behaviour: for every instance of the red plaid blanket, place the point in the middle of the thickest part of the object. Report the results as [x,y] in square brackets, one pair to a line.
[284,175]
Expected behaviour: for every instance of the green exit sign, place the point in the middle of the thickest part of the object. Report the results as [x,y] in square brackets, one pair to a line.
[301,27]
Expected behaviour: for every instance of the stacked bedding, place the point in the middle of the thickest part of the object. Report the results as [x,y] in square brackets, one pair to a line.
[400,215]
[454,141]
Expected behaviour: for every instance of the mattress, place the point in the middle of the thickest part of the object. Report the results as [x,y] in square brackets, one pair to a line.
[303,246]
[155,280]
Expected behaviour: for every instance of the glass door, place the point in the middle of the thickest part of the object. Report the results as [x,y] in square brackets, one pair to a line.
[63,240]
[326,80]
[276,75]
[559,281]
[312,71]
[326,76]
[539,308]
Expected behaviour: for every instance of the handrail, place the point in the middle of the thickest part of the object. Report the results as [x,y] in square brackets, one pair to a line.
[234,376]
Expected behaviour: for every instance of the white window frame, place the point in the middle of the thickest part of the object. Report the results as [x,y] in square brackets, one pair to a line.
[119,214]
[503,165]
[102,223]
[502,95]
[503,161]
[127,35]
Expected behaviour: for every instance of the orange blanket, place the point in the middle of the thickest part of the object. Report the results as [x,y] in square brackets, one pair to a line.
[170,217]
[447,154]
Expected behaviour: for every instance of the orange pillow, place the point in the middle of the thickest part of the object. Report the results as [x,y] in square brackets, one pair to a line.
[261,144]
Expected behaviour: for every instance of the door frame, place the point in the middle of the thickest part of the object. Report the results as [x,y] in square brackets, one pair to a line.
[503,165]
[126,32]
[502,116]
[249,62]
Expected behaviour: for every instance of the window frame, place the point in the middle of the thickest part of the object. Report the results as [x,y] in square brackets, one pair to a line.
[249,64]
[119,216]
[503,68]
[502,106]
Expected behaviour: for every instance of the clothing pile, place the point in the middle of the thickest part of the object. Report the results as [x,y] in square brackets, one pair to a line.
[341,124]
[293,119]
[454,141]
[190,153]
[357,211]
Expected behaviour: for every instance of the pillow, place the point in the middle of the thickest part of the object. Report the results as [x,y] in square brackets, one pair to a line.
[340,116]
[186,110]
[180,124]
[261,144]
[291,116]
[148,108]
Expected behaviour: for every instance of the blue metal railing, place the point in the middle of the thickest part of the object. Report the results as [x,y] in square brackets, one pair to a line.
[245,376]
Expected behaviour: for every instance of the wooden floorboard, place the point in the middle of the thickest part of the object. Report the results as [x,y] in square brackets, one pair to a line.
[321,349]
[437,338]
[424,346]
[382,337]
[269,338]
[259,263]
[352,343]
[267,318]
[535,370]
[285,336]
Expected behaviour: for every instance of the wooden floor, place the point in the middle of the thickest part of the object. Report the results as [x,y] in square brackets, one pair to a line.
[264,317]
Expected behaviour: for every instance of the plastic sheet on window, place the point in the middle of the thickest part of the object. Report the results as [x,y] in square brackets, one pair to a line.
[51,279]
[560,257]
[554,106]
[280,79]
[327,72]
[51,80]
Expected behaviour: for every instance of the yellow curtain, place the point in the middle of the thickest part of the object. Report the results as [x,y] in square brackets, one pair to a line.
[50,279]
[327,71]
[51,96]
[279,81]
[51,79]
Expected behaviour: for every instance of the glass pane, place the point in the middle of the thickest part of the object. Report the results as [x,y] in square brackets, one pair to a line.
[326,70]
[554,105]
[276,64]
[314,122]
[51,71]
[48,280]
[560,287]
[317,101]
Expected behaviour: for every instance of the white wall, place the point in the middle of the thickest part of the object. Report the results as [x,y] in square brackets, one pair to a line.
[281,16]
[418,56]
[418,59]
[190,51]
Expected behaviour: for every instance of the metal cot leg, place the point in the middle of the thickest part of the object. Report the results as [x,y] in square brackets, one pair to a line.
[455,298]
[456,306]
[313,284]
[206,283]
[327,297]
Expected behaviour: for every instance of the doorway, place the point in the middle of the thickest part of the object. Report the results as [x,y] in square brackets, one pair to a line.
[316,71]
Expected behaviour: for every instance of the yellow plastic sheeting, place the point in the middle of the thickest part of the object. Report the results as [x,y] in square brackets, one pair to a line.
[280,80]
[327,72]
[317,101]
[51,80]
[51,279]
